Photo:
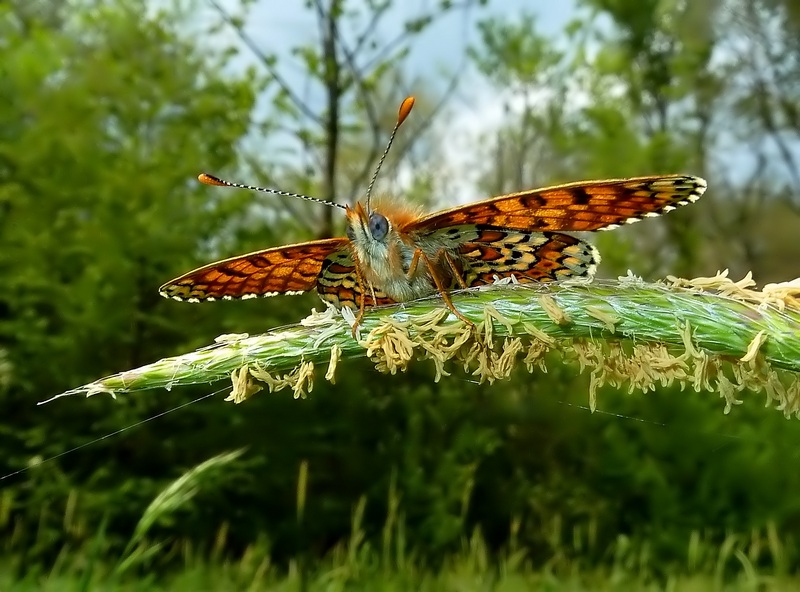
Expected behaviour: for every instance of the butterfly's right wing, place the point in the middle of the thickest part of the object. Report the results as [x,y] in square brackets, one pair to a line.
[581,206]
[483,254]
[338,283]
[282,270]
[498,253]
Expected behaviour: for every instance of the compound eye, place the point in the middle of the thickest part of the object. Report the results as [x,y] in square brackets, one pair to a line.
[378,226]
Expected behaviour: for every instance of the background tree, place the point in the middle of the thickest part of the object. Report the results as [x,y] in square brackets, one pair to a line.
[354,81]
[659,87]
[108,116]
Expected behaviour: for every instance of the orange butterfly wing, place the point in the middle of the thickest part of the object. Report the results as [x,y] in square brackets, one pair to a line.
[586,205]
[292,269]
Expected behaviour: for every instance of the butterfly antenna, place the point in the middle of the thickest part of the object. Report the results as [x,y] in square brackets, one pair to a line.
[405,109]
[212,180]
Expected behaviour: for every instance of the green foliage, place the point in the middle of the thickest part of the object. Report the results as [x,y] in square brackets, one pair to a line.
[514,53]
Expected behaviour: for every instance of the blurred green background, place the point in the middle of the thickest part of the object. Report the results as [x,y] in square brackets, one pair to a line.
[109,109]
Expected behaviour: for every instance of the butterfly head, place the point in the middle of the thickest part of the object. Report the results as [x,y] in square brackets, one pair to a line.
[368,229]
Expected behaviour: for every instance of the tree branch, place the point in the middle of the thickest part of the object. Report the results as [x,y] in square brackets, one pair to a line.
[267,63]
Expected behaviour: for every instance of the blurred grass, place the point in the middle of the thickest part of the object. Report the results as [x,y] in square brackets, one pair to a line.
[757,561]
[364,568]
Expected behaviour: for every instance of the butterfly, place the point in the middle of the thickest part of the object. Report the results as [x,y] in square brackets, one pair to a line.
[391,254]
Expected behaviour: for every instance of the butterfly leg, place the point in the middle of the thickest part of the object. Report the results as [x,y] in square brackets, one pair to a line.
[441,255]
[412,268]
[441,288]
[454,268]
[363,299]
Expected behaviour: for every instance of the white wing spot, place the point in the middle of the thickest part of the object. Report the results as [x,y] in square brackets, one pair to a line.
[595,261]
[688,188]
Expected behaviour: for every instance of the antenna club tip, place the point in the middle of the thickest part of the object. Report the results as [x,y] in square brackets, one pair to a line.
[207,179]
[405,109]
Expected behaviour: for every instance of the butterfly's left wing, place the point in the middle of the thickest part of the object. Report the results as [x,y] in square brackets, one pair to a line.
[586,205]
[338,284]
[282,270]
